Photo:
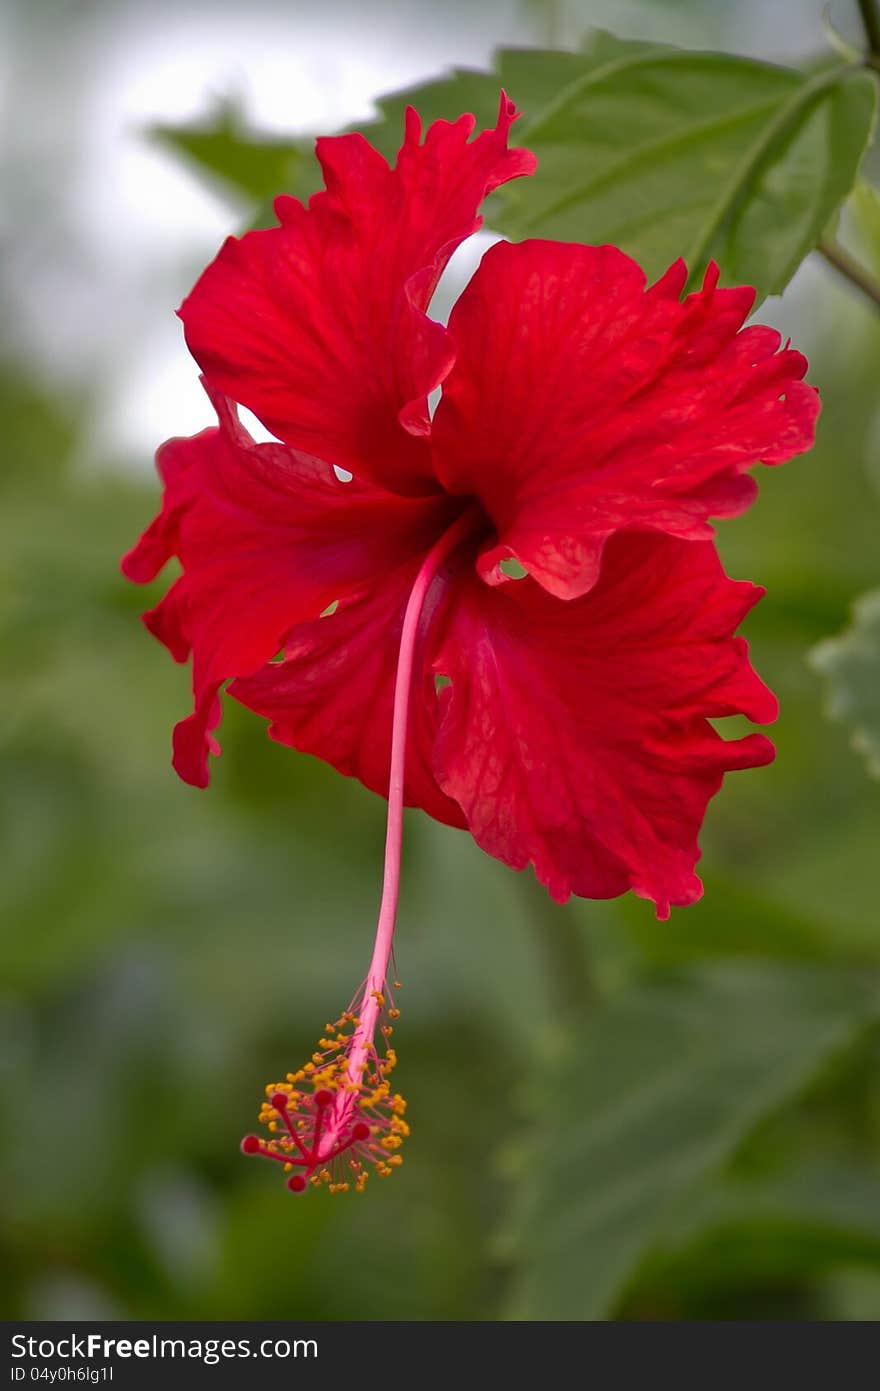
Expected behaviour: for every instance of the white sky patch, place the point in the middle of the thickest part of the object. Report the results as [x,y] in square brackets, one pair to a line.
[155,394]
[462,264]
[255,427]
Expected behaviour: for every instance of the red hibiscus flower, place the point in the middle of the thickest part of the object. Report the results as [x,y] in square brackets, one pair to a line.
[588,428]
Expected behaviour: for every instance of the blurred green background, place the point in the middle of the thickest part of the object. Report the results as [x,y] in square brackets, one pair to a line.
[612,1117]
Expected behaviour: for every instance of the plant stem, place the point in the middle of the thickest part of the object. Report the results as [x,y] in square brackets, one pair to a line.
[849,267]
[871,20]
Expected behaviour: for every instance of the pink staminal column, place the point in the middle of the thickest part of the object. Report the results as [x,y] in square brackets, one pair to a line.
[337,1114]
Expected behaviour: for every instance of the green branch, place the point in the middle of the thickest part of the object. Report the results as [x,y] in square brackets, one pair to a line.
[851,269]
[871,20]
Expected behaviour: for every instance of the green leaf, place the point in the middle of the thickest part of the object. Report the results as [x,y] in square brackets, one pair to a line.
[658,1090]
[668,153]
[223,149]
[812,1215]
[851,663]
[865,206]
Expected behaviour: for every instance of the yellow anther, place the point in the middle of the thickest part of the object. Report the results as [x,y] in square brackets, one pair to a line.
[330,1068]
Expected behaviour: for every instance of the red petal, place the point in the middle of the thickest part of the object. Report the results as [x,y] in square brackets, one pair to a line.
[267,537]
[174,460]
[581,403]
[576,735]
[318,325]
[332,696]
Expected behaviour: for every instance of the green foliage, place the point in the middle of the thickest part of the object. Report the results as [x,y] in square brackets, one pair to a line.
[706,1141]
[661,151]
[224,150]
[670,153]
[741,1233]
[168,946]
[851,664]
[656,1090]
